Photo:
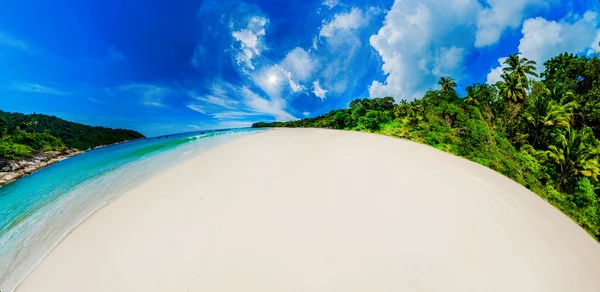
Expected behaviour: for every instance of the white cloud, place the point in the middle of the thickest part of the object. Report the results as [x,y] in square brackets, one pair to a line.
[295,68]
[595,47]
[495,74]
[235,114]
[196,108]
[543,39]
[318,90]
[344,21]
[421,41]
[315,43]
[234,124]
[270,79]
[217,96]
[447,61]
[500,15]
[226,101]
[274,106]
[299,63]
[37,88]
[149,94]
[330,3]
[306,114]
[219,101]
[342,43]
[153,103]
[296,87]
[250,41]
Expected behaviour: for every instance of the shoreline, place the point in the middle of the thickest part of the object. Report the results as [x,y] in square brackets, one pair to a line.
[12,170]
[8,282]
[190,228]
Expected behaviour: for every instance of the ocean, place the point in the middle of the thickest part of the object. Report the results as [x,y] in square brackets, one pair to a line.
[38,210]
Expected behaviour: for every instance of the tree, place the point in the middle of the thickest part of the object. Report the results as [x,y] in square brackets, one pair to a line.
[542,112]
[512,89]
[447,84]
[3,128]
[573,157]
[521,69]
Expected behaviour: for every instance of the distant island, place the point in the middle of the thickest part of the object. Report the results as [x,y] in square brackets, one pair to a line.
[30,142]
[541,133]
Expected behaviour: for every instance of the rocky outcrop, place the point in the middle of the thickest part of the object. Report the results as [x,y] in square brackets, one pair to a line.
[12,170]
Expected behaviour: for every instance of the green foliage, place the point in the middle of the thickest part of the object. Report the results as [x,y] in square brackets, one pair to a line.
[3,128]
[23,135]
[544,135]
[73,135]
[12,151]
[37,141]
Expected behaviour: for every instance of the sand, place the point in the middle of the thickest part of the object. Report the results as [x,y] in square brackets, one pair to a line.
[321,210]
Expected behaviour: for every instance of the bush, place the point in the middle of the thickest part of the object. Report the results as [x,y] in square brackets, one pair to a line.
[13,151]
[37,141]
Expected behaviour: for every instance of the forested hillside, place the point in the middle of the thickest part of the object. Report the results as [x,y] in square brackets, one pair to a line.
[22,135]
[541,132]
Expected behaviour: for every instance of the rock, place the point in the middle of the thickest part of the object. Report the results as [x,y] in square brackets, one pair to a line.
[11,170]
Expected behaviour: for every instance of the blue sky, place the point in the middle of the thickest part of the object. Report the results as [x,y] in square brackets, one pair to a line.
[173,66]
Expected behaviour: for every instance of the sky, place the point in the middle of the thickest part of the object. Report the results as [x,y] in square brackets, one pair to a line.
[169,66]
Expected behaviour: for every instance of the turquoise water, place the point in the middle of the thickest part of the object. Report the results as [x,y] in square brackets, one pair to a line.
[38,210]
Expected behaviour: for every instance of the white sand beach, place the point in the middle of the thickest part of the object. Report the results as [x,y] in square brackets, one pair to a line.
[322,210]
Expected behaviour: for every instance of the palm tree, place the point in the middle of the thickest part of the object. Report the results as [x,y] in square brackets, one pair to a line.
[512,89]
[542,112]
[520,68]
[447,84]
[573,157]
[560,94]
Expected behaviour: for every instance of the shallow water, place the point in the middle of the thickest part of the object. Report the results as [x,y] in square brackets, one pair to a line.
[38,210]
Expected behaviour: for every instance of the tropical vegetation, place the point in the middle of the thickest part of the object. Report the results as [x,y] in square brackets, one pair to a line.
[22,135]
[539,130]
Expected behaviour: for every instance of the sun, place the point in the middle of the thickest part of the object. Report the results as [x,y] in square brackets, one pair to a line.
[272,79]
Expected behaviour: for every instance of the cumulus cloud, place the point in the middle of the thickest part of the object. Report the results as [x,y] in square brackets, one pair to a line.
[344,21]
[496,73]
[318,90]
[341,38]
[299,63]
[500,15]
[447,61]
[543,39]
[249,41]
[420,42]
[595,45]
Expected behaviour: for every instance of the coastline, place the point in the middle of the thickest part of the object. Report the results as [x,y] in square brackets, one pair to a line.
[191,228]
[13,170]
